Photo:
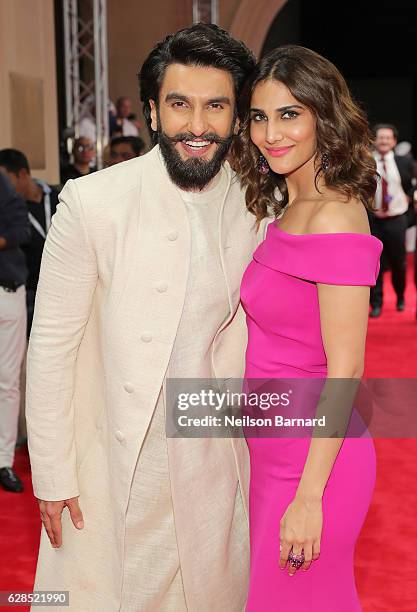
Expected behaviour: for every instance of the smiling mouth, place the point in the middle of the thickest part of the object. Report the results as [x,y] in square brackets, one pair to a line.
[279,151]
[196,148]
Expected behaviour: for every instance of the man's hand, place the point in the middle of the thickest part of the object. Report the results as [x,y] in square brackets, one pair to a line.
[51,512]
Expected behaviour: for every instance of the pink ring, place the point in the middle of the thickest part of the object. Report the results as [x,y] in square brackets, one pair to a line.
[296,560]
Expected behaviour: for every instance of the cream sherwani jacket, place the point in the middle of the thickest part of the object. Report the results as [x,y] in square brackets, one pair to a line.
[109,302]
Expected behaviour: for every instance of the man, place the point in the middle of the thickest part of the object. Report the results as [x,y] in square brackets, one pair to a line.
[389,220]
[123,124]
[84,153]
[14,230]
[123,148]
[140,282]
[41,200]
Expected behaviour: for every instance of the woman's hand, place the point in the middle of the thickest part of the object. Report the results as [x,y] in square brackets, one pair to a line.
[300,530]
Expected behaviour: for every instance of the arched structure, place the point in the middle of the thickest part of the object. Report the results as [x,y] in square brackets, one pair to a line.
[253,20]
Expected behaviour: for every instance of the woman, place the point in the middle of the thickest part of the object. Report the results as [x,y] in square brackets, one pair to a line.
[306,296]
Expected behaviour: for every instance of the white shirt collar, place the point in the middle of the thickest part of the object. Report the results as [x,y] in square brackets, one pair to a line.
[387,157]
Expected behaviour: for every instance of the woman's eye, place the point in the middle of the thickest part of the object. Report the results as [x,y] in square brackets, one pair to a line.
[258,117]
[289,115]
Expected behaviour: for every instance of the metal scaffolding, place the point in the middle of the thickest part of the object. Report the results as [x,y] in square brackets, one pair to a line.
[206,11]
[86,69]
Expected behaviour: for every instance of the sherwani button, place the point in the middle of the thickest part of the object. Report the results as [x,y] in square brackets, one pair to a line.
[172,235]
[146,337]
[162,287]
[119,436]
[128,387]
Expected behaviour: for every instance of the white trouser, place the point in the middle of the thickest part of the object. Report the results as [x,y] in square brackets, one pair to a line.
[12,348]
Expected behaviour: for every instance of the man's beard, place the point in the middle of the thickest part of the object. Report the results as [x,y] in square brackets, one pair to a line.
[193,173]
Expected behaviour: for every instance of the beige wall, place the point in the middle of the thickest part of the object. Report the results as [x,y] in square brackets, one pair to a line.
[252,19]
[27,67]
[227,12]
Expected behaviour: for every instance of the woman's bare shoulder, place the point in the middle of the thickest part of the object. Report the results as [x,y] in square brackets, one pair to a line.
[339,216]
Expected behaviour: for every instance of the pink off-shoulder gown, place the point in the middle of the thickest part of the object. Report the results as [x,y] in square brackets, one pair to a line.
[279,295]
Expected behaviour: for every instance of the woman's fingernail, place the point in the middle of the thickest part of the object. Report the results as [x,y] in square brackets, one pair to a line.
[80,524]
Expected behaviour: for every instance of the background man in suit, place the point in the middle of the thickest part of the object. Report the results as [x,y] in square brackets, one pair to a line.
[14,230]
[391,216]
[84,151]
[41,201]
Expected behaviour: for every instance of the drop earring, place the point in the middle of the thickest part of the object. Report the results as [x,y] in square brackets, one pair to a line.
[325,161]
[263,166]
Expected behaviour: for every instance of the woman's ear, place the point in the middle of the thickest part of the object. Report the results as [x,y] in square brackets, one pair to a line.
[237,127]
[154,116]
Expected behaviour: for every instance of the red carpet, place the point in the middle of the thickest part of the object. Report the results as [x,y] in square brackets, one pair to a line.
[392,338]
[19,533]
[386,555]
[386,579]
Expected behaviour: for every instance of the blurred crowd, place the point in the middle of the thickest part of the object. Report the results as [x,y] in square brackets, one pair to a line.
[78,157]
[27,206]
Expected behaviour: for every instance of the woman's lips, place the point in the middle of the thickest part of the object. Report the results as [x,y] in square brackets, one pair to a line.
[279,152]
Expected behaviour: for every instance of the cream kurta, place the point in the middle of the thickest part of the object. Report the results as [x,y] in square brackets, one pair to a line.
[111,294]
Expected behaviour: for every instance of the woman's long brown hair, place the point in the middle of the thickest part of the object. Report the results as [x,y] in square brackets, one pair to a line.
[342,133]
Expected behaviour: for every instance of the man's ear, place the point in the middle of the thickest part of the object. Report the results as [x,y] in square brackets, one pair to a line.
[154,116]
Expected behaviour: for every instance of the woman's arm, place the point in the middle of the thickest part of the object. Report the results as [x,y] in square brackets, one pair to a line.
[344,319]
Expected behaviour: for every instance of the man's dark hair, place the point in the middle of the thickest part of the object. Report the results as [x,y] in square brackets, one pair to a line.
[120,100]
[386,126]
[13,160]
[135,142]
[199,45]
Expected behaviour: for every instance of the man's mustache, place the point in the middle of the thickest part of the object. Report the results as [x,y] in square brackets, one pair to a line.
[210,137]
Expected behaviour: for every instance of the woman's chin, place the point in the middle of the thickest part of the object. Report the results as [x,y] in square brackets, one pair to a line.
[282,167]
